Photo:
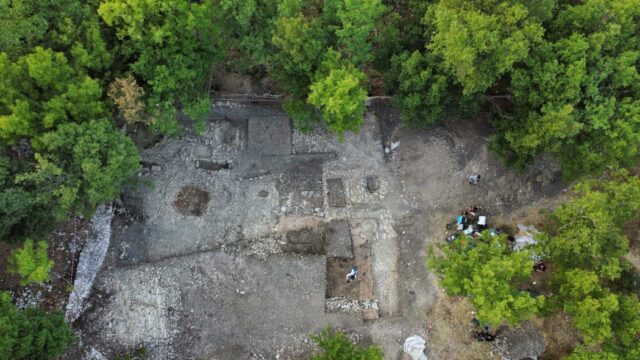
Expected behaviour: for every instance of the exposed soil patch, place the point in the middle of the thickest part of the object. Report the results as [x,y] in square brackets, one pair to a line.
[632,230]
[561,336]
[7,281]
[65,245]
[453,332]
[64,248]
[191,201]
[337,285]
[143,136]
[305,241]
[389,119]
[335,193]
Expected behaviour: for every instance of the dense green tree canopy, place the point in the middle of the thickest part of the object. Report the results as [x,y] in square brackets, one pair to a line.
[79,159]
[576,96]
[31,262]
[586,250]
[481,40]
[42,90]
[489,273]
[67,26]
[423,93]
[565,73]
[172,45]
[336,346]
[31,333]
[338,92]
[82,165]
[589,234]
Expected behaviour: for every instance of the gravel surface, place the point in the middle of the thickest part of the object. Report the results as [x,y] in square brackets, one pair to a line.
[227,285]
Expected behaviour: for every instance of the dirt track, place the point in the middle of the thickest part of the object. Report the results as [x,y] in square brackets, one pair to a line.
[248,277]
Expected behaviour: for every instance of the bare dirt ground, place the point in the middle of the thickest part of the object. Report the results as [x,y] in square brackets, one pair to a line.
[255,269]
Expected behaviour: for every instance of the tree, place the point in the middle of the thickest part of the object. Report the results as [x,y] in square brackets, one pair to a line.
[584,353]
[576,93]
[15,203]
[479,41]
[31,262]
[198,111]
[31,333]
[41,91]
[128,96]
[58,109]
[489,273]
[80,166]
[423,92]
[626,321]
[589,305]
[339,95]
[586,250]
[301,43]
[247,31]
[336,346]
[172,45]
[68,26]
[589,227]
[358,19]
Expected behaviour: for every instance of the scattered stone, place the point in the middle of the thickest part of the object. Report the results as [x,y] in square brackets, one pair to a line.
[342,305]
[155,168]
[202,151]
[95,355]
[523,343]
[373,183]
[263,193]
[29,298]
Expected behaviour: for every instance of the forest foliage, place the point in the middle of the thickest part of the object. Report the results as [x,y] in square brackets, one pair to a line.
[31,333]
[335,345]
[487,271]
[554,77]
[31,262]
[589,281]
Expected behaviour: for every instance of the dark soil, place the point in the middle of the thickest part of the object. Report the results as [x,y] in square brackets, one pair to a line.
[561,336]
[65,244]
[64,248]
[7,281]
[337,285]
[143,136]
[305,241]
[192,201]
[632,230]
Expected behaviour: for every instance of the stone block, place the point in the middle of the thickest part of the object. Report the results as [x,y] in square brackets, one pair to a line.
[369,314]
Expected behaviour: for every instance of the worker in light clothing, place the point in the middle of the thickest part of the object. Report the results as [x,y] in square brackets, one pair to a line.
[352,274]
[474,179]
